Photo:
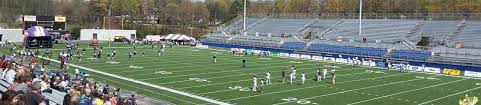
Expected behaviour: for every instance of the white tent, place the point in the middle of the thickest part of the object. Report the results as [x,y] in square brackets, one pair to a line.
[177,37]
[153,37]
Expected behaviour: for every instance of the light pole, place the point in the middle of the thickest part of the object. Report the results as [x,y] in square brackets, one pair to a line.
[245,13]
[110,13]
[360,18]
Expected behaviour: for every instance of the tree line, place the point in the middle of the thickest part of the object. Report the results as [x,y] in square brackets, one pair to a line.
[203,13]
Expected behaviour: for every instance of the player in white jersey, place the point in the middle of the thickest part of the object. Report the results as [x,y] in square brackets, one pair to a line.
[254,80]
[303,78]
[268,78]
[333,72]
[291,78]
[294,73]
[324,72]
[318,74]
[261,88]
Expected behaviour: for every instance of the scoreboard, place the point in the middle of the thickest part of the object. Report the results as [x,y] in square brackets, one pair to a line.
[55,25]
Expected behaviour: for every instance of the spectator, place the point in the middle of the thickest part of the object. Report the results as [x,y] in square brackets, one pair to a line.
[33,97]
[85,99]
[10,97]
[14,84]
[106,101]
[98,101]
[106,89]
[44,85]
[67,99]
[77,72]
[23,87]
[10,75]
[113,100]
[132,99]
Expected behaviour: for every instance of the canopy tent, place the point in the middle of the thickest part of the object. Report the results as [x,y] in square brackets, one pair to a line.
[177,37]
[38,37]
[153,37]
[37,31]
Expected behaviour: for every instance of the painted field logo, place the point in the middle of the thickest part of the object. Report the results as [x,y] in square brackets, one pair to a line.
[112,62]
[295,62]
[468,100]
[198,80]
[135,67]
[265,58]
[163,72]
[240,88]
[195,50]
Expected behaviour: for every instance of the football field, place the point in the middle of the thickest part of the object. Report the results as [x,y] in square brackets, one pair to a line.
[191,71]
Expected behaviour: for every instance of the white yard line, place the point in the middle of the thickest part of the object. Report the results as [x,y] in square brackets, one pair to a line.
[311,87]
[450,95]
[147,84]
[405,92]
[353,90]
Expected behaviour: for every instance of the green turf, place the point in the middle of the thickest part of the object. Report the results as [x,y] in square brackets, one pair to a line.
[354,84]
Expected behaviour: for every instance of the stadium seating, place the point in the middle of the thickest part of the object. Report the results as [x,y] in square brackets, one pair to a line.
[375,29]
[348,50]
[279,26]
[409,54]
[470,37]
[294,45]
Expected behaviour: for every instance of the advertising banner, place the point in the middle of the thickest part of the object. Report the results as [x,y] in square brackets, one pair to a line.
[275,53]
[249,51]
[284,54]
[372,64]
[397,66]
[472,74]
[432,70]
[381,64]
[416,68]
[340,60]
[366,63]
[294,55]
[317,58]
[307,57]
[257,51]
[451,72]
[329,59]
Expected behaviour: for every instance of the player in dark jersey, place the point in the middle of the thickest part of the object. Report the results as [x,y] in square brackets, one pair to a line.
[214,59]
[244,63]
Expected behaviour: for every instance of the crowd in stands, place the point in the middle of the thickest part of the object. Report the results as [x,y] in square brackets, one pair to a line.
[30,84]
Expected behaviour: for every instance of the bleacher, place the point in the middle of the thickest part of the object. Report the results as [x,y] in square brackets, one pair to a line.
[294,45]
[470,37]
[279,26]
[387,31]
[390,32]
[348,50]
[409,54]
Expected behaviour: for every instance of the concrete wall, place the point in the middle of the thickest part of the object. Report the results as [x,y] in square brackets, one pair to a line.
[13,35]
[106,35]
